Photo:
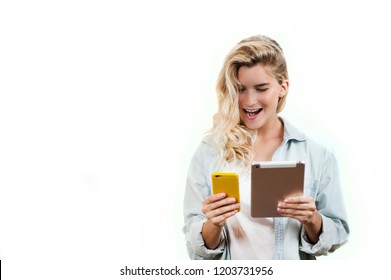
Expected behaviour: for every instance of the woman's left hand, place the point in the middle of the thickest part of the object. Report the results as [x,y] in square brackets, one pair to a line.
[303,209]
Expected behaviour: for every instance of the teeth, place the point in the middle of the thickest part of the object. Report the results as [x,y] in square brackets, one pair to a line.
[252,111]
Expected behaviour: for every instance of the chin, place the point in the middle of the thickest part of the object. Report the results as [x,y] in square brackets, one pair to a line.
[253,125]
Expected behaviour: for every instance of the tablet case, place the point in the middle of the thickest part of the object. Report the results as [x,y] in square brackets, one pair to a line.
[272,182]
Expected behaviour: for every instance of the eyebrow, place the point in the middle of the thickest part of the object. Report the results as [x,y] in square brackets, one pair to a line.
[258,85]
[261,85]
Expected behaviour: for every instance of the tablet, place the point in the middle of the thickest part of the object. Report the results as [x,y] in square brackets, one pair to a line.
[271,183]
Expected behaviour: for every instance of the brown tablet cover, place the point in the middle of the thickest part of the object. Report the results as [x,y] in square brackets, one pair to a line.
[272,182]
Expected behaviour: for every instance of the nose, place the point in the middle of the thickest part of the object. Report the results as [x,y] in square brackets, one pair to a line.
[249,98]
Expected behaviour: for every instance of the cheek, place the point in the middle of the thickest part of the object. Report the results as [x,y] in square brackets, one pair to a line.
[272,99]
[240,102]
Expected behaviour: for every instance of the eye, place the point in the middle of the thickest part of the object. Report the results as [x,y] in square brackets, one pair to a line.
[261,89]
[241,89]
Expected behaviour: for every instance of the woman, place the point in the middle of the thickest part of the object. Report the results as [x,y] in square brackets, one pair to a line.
[252,89]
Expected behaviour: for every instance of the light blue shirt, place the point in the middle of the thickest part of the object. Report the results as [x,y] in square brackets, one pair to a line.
[321,182]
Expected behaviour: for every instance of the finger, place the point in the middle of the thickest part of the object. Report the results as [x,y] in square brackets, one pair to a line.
[218,204]
[221,211]
[220,220]
[214,197]
[295,212]
[297,206]
[300,218]
[207,203]
[299,199]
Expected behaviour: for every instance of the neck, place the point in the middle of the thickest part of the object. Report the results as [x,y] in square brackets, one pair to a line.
[272,130]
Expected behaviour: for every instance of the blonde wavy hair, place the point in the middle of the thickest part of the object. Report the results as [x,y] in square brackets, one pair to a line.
[234,139]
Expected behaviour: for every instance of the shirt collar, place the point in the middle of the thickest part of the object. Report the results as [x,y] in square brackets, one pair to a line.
[291,132]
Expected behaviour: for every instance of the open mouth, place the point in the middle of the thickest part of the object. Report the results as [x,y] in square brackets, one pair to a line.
[251,113]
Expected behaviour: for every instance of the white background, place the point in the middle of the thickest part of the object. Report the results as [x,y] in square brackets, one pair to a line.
[102,104]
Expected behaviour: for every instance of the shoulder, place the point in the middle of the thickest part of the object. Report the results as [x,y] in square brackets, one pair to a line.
[209,141]
[320,147]
[207,147]
[315,146]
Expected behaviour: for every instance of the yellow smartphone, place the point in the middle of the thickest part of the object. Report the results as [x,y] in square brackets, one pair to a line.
[226,182]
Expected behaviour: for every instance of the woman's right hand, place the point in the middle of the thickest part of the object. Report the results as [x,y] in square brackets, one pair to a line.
[217,208]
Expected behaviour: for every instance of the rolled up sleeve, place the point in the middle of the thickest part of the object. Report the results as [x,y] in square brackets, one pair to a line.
[196,246]
[197,189]
[330,204]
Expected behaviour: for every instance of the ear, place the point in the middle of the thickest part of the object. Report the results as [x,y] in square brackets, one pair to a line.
[284,88]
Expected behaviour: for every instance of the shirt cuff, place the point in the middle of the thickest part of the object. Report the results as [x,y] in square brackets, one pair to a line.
[325,242]
[198,245]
